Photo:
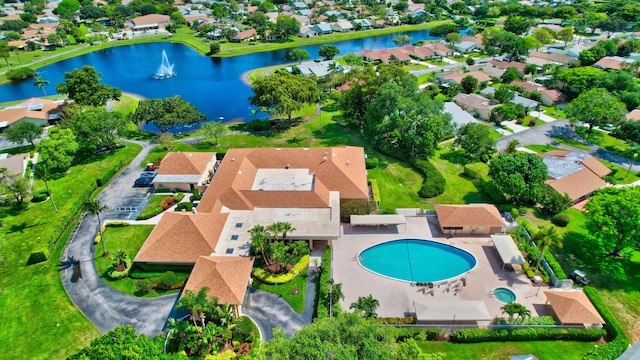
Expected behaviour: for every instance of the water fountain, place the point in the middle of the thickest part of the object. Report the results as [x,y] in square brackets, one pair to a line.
[165,70]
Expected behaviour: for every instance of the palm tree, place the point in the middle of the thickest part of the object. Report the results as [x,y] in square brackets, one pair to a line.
[633,151]
[225,314]
[510,309]
[259,237]
[40,84]
[121,258]
[366,306]
[545,238]
[278,252]
[177,328]
[197,304]
[286,227]
[335,293]
[523,313]
[274,229]
[94,207]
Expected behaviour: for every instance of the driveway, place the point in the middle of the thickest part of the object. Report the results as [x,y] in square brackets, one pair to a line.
[104,306]
[271,311]
[545,133]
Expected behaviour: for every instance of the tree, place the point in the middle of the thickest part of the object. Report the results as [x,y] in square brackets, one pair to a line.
[259,237]
[56,153]
[67,8]
[506,112]
[402,40]
[613,215]
[566,34]
[197,304]
[215,129]
[275,229]
[517,24]
[632,153]
[544,36]
[23,131]
[611,25]
[5,51]
[545,238]
[328,51]
[510,309]
[282,93]
[470,61]
[92,12]
[84,87]
[503,94]
[285,228]
[531,42]
[520,176]
[214,48]
[531,69]
[512,146]
[119,341]
[469,84]
[17,187]
[453,38]
[366,307]
[93,128]
[476,141]
[596,107]
[629,130]
[510,75]
[353,59]
[299,55]
[552,202]
[279,255]
[167,113]
[287,25]
[335,292]
[94,207]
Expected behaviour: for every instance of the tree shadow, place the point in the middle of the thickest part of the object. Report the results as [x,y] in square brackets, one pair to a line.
[21,227]
[457,157]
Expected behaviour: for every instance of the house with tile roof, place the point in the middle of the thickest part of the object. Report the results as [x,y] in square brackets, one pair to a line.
[455,77]
[302,186]
[475,104]
[246,35]
[470,219]
[149,22]
[611,63]
[13,165]
[418,52]
[41,112]
[386,56]
[185,171]
[574,173]
[551,97]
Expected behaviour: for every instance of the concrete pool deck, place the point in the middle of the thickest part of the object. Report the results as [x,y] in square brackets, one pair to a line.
[397,297]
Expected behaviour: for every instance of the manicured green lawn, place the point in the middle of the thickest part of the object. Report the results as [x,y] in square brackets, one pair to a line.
[126,105]
[153,203]
[293,292]
[32,298]
[527,121]
[130,240]
[437,62]
[572,142]
[620,175]
[554,112]
[542,148]
[566,350]
[459,188]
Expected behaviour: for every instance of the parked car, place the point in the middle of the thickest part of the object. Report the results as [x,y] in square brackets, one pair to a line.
[143,181]
[151,167]
[148,174]
[579,277]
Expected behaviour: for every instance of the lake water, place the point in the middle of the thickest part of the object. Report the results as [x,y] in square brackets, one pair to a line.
[214,85]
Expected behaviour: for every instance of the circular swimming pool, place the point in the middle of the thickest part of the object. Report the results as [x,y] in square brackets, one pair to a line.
[504,295]
[417,260]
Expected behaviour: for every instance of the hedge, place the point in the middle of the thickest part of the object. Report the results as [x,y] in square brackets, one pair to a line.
[163,267]
[475,170]
[272,279]
[433,183]
[184,206]
[619,340]
[397,320]
[117,275]
[418,333]
[179,196]
[322,286]
[38,256]
[476,335]
[116,224]
[108,174]
[163,190]
[371,163]
[40,196]
[492,190]
[149,213]
[375,190]
[196,194]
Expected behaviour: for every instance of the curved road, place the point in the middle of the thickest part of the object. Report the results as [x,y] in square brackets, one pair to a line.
[545,133]
[103,305]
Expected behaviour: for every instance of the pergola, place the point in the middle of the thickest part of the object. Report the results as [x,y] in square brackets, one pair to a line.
[461,311]
[507,249]
[377,220]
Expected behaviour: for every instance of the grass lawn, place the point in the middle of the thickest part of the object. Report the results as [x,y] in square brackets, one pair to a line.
[129,239]
[565,350]
[414,66]
[604,140]
[154,202]
[286,291]
[542,148]
[459,189]
[437,62]
[32,298]
[528,119]
[554,112]
[126,105]
[619,174]
[571,142]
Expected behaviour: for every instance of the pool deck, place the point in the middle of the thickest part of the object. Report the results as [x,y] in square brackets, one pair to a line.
[397,297]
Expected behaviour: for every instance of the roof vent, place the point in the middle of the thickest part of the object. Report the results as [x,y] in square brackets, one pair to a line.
[287,166]
[348,162]
[278,149]
[233,159]
[325,158]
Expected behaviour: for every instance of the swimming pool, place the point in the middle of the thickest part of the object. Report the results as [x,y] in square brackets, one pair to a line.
[417,260]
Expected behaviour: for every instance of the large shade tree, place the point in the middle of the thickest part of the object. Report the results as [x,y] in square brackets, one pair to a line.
[84,87]
[596,107]
[520,176]
[167,113]
[282,93]
[23,131]
[94,127]
[476,141]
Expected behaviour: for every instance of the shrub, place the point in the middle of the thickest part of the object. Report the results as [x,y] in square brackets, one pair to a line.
[371,163]
[167,202]
[533,122]
[163,190]
[21,73]
[117,275]
[356,207]
[196,194]
[526,334]
[269,278]
[375,190]
[38,256]
[184,206]
[97,239]
[433,183]
[561,220]
[492,190]
[167,281]
[322,286]
[397,320]
[146,285]
[244,329]
[149,213]
[40,196]
[259,125]
[116,224]
[179,197]
[474,170]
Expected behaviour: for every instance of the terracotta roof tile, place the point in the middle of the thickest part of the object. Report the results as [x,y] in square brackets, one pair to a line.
[578,184]
[457,76]
[596,166]
[528,86]
[634,115]
[226,277]
[185,163]
[469,215]
[573,307]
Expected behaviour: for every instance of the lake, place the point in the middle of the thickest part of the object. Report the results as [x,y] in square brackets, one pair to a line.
[214,85]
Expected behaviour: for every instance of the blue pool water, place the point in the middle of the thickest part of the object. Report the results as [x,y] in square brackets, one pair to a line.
[504,295]
[417,260]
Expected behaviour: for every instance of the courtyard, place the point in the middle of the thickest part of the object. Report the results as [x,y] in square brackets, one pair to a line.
[397,297]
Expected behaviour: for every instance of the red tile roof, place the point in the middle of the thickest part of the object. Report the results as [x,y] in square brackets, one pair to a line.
[573,307]
[186,163]
[226,277]
[469,215]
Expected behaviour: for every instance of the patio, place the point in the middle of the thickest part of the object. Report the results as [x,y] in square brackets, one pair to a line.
[397,297]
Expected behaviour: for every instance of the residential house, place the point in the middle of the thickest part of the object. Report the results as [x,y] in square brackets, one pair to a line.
[320,69]
[440,49]
[301,186]
[342,26]
[379,23]
[507,64]
[307,32]
[541,58]
[574,173]
[418,52]
[471,219]
[551,97]
[322,28]
[465,46]
[459,117]
[476,39]
[41,112]
[528,104]
[274,36]
[361,24]
[455,77]
[528,86]
[475,104]
[634,115]
[13,164]
[185,171]
[611,63]
[299,5]
[149,22]
[246,35]
[386,56]
[493,72]
[330,13]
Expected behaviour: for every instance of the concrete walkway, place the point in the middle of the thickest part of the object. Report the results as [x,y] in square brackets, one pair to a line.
[103,305]
[271,311]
